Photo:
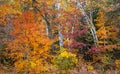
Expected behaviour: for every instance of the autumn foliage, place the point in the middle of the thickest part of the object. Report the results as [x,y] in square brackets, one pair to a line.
[59,36]
[29,46]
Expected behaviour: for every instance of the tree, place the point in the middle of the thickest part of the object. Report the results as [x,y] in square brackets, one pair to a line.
[30,46]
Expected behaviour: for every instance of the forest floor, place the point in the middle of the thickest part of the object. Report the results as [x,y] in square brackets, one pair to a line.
[5,70]
[83,70]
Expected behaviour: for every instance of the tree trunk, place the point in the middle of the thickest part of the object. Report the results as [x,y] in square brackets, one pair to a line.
[89,21]
[48,29]
[60,27]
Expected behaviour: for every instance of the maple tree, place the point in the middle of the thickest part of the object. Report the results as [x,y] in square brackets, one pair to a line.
[29,47]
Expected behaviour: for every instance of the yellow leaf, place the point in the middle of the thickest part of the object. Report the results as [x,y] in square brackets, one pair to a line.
[90,68]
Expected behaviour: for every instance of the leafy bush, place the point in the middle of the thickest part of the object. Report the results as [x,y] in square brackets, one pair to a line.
[65,60]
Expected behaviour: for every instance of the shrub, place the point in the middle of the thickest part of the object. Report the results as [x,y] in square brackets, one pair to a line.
[65,60]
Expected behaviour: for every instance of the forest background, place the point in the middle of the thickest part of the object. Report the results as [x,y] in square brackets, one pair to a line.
[59,36]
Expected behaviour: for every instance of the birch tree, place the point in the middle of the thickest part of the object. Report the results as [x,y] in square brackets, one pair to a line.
[60,26]
[89,20]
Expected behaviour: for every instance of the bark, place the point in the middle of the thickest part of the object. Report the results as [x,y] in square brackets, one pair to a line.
[48,28]
[60,37]
[60,27]
[45,17]
[90,23]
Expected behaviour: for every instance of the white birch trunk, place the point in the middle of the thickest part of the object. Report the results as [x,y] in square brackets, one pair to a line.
[89,22]
[60,26]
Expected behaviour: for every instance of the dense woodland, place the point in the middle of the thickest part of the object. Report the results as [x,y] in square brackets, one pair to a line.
[59,36]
